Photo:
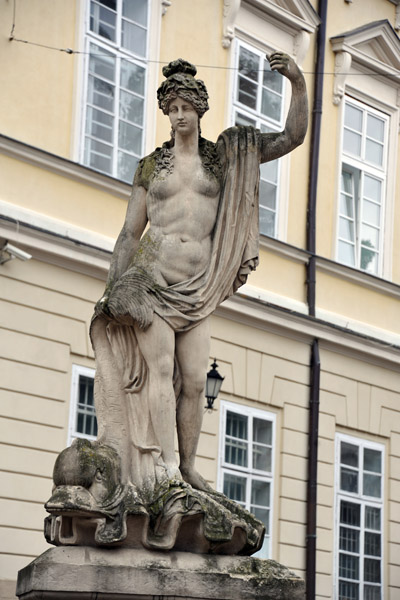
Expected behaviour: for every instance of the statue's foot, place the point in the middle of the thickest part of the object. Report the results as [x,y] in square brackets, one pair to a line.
[191,476]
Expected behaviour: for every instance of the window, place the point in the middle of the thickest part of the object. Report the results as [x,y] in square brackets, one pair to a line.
[82,421]
[259,102]
[116,84]
[246,462]
[359,520]
[362,188]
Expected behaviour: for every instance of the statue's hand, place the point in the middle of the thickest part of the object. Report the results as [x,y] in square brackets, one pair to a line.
[284,64]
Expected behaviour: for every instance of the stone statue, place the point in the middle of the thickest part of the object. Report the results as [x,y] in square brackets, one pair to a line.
[150,332]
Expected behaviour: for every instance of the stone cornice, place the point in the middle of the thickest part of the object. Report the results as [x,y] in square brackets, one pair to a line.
[62,166]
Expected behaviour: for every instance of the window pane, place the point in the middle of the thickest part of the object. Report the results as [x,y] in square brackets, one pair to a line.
[236,452]
[349,454]
[267,222]
[103,20]
[372,485]
[374,152]
[348,566]
[347,183]
[372,518]
[372,544]
[372,188]
[271,105]
[346,253]
[249,64]
[134,38]
[131,108]
[241,119]
[98,155]
[267,196]
[369,260]
[99,124]
[371,213]
[130,138]
[353,117]
[132,77]
[261,458]
[126,166]
[236,425]
[269,171]
[102,63]
[352,142]
[350,513]
[272,79]
[235,487]
[262,431]
[348,591]
[349,480]
[247,93]
[101,93]
[372,570]
[136,10]
[349,540]
[346,229]
[375,128]
[263,515]
[372,592]
[347,206]
[260,492]
[370,237]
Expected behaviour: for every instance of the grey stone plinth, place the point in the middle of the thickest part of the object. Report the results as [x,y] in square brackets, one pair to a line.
[72,573]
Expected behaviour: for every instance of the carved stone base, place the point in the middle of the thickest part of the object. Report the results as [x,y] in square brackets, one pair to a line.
[71,573]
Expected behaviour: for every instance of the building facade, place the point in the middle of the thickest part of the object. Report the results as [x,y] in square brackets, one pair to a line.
[306,429]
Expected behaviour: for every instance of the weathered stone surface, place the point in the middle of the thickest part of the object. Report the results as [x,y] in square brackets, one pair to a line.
[91,507]
[69,573]
[150,333]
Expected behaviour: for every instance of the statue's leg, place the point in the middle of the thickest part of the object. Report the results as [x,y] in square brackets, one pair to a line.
[192,353]
[157,345]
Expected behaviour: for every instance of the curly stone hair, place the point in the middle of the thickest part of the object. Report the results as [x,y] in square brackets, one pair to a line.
[180,82]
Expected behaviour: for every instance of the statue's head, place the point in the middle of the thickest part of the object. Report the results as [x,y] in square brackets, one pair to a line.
[180,82]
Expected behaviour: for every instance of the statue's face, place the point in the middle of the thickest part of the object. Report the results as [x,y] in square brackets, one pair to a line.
[183,117]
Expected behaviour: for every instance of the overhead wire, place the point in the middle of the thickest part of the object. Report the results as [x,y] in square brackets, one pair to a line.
[12,38]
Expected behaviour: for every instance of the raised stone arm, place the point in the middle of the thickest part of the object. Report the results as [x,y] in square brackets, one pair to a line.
[275,145]
[127,241]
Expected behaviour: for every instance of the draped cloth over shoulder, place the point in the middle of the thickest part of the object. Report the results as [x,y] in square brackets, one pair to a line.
[122,409]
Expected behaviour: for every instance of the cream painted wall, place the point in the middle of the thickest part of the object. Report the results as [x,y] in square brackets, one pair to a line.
[54,195]
[37,83]
[179,27]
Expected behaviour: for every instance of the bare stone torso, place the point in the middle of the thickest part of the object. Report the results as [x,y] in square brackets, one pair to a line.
[182,209]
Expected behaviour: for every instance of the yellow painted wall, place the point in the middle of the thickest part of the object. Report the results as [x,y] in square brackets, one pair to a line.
[202,22]
[37,83]
[60,197]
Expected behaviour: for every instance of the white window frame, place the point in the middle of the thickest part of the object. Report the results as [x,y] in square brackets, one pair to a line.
[224,467]
[354,163]
[259,119]
[120,53]
[77,371]
[362,500]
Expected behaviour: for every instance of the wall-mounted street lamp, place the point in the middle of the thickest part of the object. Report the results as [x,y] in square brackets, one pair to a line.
[213,385]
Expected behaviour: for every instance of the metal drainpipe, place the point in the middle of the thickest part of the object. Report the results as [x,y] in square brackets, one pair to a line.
[315,367]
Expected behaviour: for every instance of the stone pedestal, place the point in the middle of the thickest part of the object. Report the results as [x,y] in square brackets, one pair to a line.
[72,573]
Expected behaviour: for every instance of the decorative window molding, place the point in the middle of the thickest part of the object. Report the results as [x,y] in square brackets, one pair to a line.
[117,41]
[246,462]
[359,503]
[374,48]
[82,416]
[363,187]
[296,16]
